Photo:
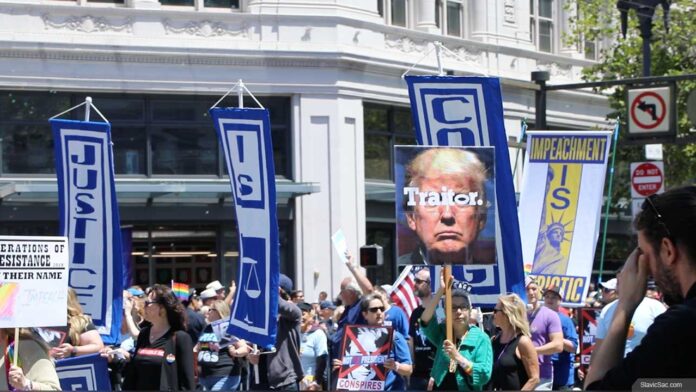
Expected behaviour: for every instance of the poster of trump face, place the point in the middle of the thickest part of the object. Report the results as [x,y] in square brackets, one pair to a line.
[445,205]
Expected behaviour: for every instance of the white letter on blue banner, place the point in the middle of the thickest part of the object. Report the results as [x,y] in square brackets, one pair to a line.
[89,218]
[468,111]
[245,137]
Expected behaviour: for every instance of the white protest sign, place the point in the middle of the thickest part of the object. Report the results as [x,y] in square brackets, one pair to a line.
[33,281]
[339,243]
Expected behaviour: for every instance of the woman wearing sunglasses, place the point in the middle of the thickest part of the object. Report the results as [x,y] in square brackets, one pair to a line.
[163,357]
[398,364]
[471,349]
[515,366]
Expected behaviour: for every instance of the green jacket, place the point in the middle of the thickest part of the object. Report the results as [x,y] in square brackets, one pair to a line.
[476,347]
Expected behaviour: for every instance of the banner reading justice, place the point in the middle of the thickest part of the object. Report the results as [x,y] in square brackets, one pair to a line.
[560,208]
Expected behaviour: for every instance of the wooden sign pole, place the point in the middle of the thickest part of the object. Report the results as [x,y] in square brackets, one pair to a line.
[448,312]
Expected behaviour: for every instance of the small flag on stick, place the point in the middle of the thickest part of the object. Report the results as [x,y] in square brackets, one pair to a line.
[181,290]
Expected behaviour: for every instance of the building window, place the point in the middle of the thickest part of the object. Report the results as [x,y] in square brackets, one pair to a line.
[452,13]
[385,127]
[541,26]
[394,12]
[152,135]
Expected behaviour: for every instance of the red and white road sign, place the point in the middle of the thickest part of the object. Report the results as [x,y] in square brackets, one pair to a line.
[647,178]
[649,110]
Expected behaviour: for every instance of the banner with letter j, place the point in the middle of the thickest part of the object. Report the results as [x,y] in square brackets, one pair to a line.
[89,218]
[560,208]
[468,111]
[245,137]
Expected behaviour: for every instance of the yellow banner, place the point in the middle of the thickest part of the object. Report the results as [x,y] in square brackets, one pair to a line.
[557,219]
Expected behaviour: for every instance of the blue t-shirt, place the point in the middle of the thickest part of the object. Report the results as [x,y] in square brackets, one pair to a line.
[401,353]
[396,318]
[563,370]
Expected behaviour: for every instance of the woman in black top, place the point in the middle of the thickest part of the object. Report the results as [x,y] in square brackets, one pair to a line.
[163,357]
[515,362]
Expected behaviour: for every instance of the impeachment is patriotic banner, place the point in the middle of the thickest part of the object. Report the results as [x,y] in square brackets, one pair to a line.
[245,137]
[468,111]
[560,207]
[89,218]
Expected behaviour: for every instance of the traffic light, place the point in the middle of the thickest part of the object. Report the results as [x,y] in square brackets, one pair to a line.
[371,255]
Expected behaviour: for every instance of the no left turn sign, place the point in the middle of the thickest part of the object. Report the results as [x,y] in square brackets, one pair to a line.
[649,110]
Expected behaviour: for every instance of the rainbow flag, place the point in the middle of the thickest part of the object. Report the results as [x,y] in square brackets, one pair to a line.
[8,294]
[181,290]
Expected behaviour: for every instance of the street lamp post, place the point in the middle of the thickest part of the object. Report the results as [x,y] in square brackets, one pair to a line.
[645,9]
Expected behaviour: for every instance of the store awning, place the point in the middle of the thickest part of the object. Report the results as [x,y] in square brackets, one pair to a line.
[148,190]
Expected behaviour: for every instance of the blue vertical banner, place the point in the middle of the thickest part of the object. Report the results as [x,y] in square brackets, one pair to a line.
[89,218]
[245,137]
[468,111]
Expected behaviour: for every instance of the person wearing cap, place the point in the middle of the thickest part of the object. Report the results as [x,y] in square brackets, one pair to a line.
[609,291]
[563,362]
[208,296]
[667,251]
[643,318]
[326,313]
[471,350]
[547,333]
[218,288]
[284,368]
[314,352]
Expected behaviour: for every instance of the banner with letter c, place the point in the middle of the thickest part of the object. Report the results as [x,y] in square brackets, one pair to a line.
[560,207]
[468,111]
[245,137]
[90,219]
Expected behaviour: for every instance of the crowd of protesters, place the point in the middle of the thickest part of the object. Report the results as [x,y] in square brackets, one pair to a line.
[645,329]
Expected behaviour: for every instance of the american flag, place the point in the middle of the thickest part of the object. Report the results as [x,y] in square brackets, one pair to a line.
[402,290]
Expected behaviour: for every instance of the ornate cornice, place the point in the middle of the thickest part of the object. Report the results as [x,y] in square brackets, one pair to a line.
[86,24]
[205,28]
[461,53]
[404,44]
[563,71]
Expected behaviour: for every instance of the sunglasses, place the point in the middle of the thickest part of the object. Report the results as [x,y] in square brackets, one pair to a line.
[419,281]
[660,220]
[459,307]
[148,302]
[375,309]
[496,310]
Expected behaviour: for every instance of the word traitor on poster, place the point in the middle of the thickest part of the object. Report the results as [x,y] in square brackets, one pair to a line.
[363,352]
[33,281]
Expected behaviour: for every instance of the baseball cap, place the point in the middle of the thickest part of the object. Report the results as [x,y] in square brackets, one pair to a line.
[285,283]
[215,285]
[136,292]
[304,306]
[208,293]
[327,305]
[609,284]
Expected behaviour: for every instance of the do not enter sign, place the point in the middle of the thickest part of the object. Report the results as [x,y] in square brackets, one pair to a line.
[647,178]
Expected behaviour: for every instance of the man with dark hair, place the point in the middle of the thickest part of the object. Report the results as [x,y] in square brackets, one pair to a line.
[667,251]
[422,351]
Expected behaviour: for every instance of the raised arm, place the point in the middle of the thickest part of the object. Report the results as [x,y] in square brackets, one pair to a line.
[363,281]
